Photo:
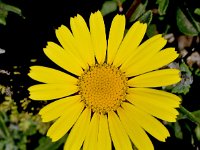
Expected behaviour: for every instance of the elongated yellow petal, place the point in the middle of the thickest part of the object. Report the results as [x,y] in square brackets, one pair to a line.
[91,137]
[68,42]
[141,59]
[51,91]
[135,132]
[160,111]
[156,97]
[83,39]
[49,75]
[130,42]
[98,34]
[115,36]
[147,122]
[63,58]
[118,134]
[152,42]
[104,141]
[79,131]
[56,109]
[65,122]
[159,60]
[157,78]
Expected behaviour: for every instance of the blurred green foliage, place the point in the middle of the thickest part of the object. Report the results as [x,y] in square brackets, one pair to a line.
[16,128]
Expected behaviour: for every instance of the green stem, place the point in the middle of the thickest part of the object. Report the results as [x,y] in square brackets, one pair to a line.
[189,115]
[3,126]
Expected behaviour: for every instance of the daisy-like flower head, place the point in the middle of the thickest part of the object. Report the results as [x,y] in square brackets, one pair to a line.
[106,95]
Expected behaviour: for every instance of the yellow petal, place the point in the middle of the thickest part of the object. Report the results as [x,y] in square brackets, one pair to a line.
[98,34]
[56,109]
[156,97]
[65,122]
[115,36]
[157,78]
[63,58]
[83,39]
[136,64]
[79,131]
[138,50]
[68,42]
[160,111]
[104,141]
[159,60]
[130,42]
[51,91]
[135,132]
[49,75]
[118,134]
[90,142]
[147,122]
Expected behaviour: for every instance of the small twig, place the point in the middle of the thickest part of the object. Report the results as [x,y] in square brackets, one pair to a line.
[132,8]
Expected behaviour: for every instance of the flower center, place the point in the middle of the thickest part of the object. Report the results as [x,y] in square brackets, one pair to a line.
[103,88]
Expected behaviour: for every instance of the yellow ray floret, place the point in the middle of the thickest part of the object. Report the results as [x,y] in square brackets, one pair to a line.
[98,35]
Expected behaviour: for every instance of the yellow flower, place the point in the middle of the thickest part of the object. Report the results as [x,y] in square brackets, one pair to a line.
[104,94]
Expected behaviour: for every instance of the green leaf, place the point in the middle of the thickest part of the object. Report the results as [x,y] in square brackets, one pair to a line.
[178,131]
[146,17]
[197,132]
[138,11]
[108,7]
[197,114]
[197,11]
[151,30]
[190,115]
[183,87]
[11,8]
[186,25]
[45,143]
[197,72]
[162,6]
[4,130]
[4,9]
[2,20]
[122,1]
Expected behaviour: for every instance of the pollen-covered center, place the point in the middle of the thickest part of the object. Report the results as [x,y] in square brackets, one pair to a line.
[103,88]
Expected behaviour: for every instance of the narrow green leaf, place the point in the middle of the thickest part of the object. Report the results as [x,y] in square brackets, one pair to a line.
[2,20]
[197,132]
[190,115]
[11,8]
[146,17]
[138,11]
[108,7]
[4,9]
[197,114]
[178,131]
[151,30]
[4,130]
[184,24]
[45,143]
[162,6]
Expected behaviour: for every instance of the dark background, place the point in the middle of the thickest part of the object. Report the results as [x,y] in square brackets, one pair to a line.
[24,39]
